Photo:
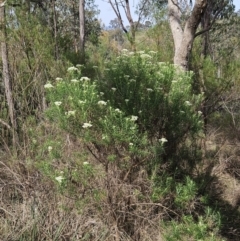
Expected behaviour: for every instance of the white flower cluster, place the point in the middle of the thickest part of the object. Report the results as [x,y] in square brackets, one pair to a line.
[59,179]
[48,86]
[86,125]
[74,80]
[101,102]
[57,103]
[59,79]
[84,79]
[72,69]
[118,111]
[188,103]
[134,118]
[70,113]
[163,140]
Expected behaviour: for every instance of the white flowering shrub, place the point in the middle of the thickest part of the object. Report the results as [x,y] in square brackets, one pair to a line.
[159,94]
[139,121]
[81,109]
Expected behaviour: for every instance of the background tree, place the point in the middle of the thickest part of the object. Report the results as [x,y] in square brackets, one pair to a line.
[82,28]
[125,5]
[7,77]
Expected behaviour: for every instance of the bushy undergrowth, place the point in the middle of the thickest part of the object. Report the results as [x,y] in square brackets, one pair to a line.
[139,122]
[121,151]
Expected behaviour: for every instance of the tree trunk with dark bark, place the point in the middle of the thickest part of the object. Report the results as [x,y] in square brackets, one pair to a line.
[6,74]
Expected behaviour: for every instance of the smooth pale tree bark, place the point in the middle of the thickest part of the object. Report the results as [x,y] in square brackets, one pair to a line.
[6,74]
[82,27]
[184,36]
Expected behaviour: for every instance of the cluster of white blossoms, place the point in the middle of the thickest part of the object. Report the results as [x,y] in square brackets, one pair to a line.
[101,102]
[82,102]
[70,113]
[59,179]
[145,56]
[149,90]
[152,52]
[188,103]
[48,86]
[86,125]
[84,79]
[59,79]
[57,103]
[134,118]
[72,69]
[118,111]
[163,140]
[74,80]
[114,89]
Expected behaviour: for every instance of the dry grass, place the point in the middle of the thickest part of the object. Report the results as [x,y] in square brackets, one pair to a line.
[112,205]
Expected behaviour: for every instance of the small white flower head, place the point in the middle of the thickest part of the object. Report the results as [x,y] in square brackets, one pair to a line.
[181,111]
[124,50]
[140,52]
[85,163]
[163,140]
[71,113]
[152,52]
[82,102]
[59,79]
[131,53]
[134,118]
[200,112]
[101,102]
[174,81]
[126,100]
[84,79]
[114,89]
[188,103]
[72,69]
[59,179]
[149,90]
[50,148]
[101,93]
[74,80]
[57,103]
[130,144]
[79,66]
[104,137]
[118,111]
[126,76]
[48,86]
[145,56]
[86,125]
[132,80]
[106,69]
[95,67]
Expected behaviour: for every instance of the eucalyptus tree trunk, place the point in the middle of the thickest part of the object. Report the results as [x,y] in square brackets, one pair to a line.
[184,36]
[82,28]
[6,74]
